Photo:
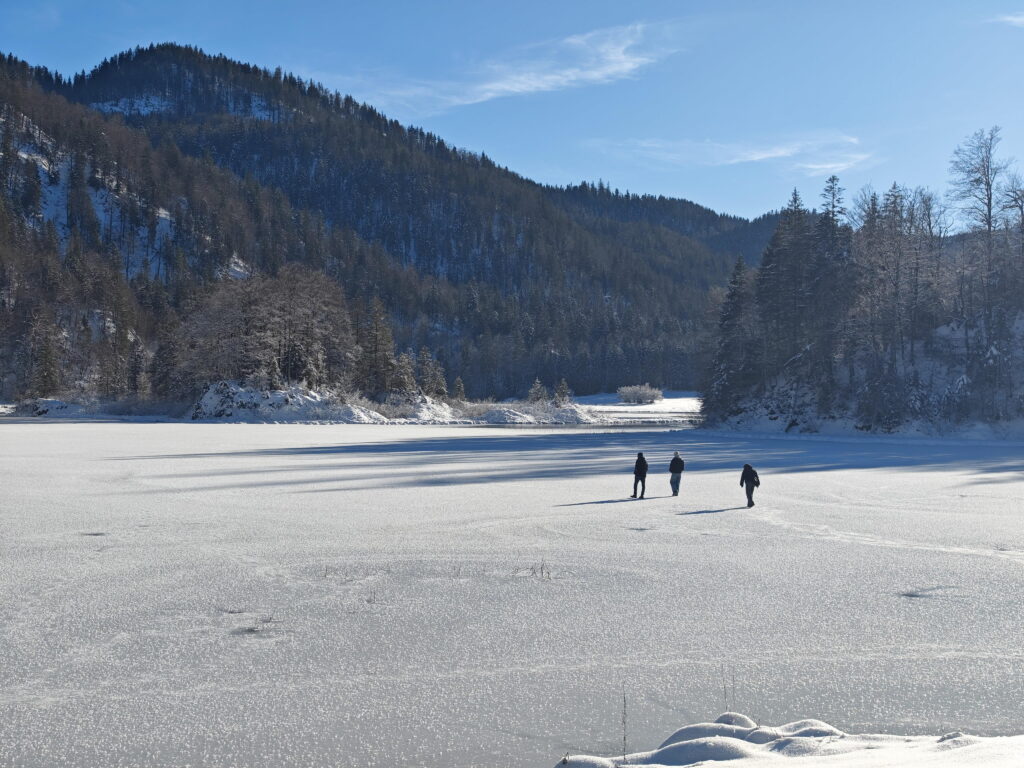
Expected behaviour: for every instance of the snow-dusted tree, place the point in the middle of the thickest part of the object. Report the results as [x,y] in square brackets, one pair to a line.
[459,390]
[975,175]
[377,360]
[1012,203]
[431,374]
[270,331]
[164,368]
[563,395]
[538,392]
[404,379]
[311,328]
[44,357]
[737,349]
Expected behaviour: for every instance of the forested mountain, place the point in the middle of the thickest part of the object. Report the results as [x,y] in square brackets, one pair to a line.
[135,194]
[901,309]
[728,234]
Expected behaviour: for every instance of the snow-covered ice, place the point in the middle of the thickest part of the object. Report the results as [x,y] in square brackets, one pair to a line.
[288,594]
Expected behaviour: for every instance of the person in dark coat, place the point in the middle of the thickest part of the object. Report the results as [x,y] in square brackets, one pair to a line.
[675,468]
[640,475]
[749,480]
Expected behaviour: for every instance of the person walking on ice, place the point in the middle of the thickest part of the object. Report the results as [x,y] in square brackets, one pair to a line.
[749,480]
[675,468]
[640,475]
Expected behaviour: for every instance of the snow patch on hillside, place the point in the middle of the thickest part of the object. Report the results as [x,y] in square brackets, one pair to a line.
[239,103]
[139,243]
[738,739]
[147,104]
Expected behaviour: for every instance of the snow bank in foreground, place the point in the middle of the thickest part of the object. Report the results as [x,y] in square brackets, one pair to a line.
[738,739]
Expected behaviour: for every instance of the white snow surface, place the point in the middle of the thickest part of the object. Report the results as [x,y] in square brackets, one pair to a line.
[359,595]
[741,742]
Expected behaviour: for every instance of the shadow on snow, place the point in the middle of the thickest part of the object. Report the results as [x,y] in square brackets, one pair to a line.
[468,457]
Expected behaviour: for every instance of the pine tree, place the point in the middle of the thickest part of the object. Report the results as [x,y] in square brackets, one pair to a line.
[784,295]
[32,190]
[44,357]
[833,285]
[538,392]
[165,374]
[734,368]
[404,378]
[431,375]
[459,390]
[377,361]
[563,395]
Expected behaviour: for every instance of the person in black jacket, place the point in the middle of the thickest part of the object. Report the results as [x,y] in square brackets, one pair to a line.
[749,480]
[640,475]
[675,468]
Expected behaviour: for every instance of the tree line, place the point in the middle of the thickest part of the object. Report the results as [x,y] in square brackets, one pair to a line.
[899,306]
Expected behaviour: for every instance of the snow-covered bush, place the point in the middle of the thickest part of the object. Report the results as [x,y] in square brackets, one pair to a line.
[233,401]
[640,393]
[543,412]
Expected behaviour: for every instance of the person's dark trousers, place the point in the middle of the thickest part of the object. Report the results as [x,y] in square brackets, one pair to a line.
[642,481]
[674,482]
[750,494]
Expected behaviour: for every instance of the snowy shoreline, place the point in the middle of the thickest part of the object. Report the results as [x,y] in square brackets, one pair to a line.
[230,402]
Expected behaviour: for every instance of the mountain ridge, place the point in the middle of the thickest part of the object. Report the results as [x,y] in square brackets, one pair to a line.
[503,278]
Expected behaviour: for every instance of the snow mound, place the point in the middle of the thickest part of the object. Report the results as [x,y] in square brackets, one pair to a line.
[539,413]
[354,414]
[430,411]
[230,400]
[571,414]
[735,718]
[507,416]
[737,738]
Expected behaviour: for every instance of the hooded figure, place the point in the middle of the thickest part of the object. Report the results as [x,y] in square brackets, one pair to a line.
[749,480]
[640,475]
[675,468]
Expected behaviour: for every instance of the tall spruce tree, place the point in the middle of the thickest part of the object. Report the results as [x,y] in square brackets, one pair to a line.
[735,368]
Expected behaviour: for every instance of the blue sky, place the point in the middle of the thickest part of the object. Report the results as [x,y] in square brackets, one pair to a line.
[729,104]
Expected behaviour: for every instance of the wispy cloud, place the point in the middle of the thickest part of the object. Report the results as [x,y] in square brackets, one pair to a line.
[41,14]
[593,58]
[810,155]
[1013,19]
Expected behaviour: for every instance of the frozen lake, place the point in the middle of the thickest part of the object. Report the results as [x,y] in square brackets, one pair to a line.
[235,595]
